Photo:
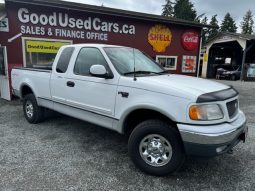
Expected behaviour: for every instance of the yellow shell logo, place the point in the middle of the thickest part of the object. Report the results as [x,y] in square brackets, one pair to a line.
[159,37]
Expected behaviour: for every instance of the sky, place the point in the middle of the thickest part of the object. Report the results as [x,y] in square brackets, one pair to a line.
[236,8]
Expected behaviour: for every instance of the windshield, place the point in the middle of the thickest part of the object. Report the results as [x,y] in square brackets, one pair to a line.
[124,59]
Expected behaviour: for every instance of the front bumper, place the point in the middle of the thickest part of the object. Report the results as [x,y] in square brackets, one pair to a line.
[212,140]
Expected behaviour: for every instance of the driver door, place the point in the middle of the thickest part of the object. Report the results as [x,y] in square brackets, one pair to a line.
[87,92]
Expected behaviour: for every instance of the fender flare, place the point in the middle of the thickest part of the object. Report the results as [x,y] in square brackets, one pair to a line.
[21,88]
[141,106]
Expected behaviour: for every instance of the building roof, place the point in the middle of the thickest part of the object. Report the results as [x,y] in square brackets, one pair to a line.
[245,36]
[110,11]
[238,35]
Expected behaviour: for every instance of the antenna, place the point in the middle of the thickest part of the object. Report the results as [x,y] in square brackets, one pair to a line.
[134,65]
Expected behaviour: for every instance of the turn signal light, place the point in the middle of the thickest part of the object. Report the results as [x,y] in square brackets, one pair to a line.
[194,112]
[205,112]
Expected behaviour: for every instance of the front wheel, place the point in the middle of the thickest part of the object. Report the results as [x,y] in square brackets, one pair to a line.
[32,112]
[156,148]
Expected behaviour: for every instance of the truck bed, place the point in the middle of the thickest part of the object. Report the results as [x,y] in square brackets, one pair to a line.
[38,78]
[34,69]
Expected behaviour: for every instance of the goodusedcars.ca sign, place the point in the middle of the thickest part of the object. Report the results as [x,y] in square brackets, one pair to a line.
[60,24]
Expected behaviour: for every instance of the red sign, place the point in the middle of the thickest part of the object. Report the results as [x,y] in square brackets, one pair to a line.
[190,40]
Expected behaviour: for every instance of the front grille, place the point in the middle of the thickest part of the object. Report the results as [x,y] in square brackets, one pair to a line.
[232,108]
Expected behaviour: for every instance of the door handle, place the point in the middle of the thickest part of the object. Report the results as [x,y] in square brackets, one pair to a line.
[70,84]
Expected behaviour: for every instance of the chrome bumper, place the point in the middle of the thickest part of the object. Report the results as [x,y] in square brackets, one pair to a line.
[205,140]
[213,134]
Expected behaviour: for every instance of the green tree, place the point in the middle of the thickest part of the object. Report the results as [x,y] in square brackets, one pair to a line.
[212,32]
[168,9]
[205,30]
[184,9]
[228,24]
[247,25]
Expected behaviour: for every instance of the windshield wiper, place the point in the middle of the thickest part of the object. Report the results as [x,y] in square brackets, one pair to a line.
[145,72]
[164,72]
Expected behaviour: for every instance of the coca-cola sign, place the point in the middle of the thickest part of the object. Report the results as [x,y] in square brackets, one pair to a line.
[190,40]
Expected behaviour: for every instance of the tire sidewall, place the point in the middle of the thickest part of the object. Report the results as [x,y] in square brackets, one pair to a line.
[31,98]
[168,133]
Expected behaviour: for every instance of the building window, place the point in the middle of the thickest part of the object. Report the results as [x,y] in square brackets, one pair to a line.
[168,62]
[2,60]
[40,53]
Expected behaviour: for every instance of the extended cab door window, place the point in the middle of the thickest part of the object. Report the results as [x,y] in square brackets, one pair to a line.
[88,57]
[64,60]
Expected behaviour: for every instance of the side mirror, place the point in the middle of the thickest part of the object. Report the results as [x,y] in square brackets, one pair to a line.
[99,71]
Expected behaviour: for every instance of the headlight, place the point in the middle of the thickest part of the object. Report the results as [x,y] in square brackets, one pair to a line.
[205,112]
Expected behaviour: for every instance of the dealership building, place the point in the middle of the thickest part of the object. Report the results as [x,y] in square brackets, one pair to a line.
[32,31]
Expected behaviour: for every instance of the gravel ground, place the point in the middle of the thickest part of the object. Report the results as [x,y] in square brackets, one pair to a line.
[63,153]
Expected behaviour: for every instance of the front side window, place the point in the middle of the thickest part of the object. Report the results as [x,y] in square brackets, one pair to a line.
[88,57]
[126,60]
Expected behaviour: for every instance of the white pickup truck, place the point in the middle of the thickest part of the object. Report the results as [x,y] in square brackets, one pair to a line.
[166,116]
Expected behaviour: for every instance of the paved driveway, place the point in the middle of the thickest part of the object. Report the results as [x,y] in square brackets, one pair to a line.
[63,153]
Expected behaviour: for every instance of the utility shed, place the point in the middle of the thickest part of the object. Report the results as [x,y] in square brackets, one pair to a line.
[230,49]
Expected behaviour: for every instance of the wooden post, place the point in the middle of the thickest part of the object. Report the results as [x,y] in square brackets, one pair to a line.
[199,54]
[243,61]
[244,57]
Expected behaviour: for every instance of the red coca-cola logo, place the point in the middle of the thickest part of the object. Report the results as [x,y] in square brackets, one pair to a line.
[190,40]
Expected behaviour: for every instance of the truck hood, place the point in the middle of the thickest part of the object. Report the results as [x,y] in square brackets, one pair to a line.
[175,85]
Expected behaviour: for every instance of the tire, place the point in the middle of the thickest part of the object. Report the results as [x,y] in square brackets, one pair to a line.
[32,112]
[140,144]
[233,78]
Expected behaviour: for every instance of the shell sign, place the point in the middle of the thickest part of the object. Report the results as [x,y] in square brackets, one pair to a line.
[159,37]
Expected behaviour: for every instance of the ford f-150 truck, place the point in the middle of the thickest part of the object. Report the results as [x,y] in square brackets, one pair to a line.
[166,116]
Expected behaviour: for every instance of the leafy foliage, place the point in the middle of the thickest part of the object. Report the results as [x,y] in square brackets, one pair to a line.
[247,25]
[184,9]
[168,10]
[205,30]
[228,24]
[212,32]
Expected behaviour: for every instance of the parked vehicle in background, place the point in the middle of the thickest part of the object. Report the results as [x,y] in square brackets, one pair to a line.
[233,73]
[251,70]
[166,116]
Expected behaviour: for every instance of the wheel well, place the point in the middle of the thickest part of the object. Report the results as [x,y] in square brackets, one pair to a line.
[137,116]
[26,90]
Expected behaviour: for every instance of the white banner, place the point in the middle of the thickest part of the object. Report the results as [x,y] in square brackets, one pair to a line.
[62,25]
[4,25]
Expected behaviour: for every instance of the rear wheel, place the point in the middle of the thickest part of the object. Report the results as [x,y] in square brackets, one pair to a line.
[32,112]
[156,148]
